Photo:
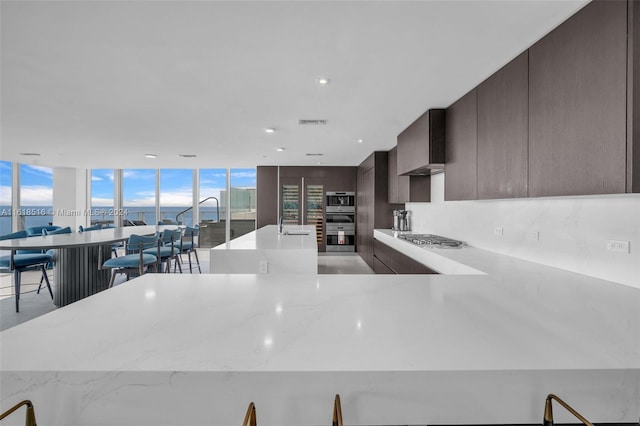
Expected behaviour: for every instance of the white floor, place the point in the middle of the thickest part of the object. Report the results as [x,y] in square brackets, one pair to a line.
[33,305]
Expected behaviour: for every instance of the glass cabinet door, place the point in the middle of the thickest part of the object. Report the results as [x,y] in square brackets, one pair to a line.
[314,209]
[290,197]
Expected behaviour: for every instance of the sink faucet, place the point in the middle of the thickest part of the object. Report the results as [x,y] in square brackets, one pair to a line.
[280,224]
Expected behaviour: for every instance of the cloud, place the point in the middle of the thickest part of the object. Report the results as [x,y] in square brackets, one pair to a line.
[5,195]
[210,192]
[37,170]
[243,174]
[101,202]
[36,195]
[139,173]
[95,178]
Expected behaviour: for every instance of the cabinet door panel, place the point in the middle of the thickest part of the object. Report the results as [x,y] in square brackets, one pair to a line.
[503,121]
[577,104]
[267,196]
[461,148]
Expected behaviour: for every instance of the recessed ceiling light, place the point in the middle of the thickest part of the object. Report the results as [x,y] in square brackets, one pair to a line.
[360,140]
[322,81]
[151,155]
[279,149]
[187,155]
[269,130]
[30,154]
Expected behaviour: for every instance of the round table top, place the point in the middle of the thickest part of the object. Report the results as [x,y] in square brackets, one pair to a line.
[81,239]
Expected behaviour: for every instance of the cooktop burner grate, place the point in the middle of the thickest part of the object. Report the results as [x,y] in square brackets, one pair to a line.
[431,240]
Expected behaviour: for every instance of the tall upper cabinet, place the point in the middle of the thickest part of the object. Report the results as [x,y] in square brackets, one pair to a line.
[462,149]
[578,102]
[503,123]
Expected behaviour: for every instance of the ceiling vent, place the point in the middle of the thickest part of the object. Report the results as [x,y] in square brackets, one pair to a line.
[314,155]
[312,122]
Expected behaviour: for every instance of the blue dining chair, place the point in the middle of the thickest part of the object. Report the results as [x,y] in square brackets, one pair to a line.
[168,249]
[114,247]
[20,262]
[189,244]
[52,252]
[89,228]
[135,260]
[66,230]
[37,230]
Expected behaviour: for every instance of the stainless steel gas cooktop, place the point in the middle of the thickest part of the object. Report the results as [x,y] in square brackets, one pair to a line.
[431,240]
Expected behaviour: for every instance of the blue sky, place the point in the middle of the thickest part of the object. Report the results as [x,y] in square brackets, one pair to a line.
[36,184]
[138,186]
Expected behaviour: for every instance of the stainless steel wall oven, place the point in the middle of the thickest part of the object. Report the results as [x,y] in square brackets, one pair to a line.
[340,217]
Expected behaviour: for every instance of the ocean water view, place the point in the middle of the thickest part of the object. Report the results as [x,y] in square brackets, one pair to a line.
[44,215]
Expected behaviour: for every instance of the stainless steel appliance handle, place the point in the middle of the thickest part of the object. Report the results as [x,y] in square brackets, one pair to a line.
[302,218]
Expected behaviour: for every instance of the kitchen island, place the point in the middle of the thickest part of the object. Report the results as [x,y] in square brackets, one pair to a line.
[169,349]
[268,251]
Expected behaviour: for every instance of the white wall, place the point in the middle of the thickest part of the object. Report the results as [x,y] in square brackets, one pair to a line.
[70,198]
[573,231]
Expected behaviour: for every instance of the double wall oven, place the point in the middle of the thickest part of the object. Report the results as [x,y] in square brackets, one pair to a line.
[340,217]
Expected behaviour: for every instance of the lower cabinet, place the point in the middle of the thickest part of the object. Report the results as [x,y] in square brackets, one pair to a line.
[387,260]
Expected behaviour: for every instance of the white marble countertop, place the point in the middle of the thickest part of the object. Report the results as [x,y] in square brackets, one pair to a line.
[291,323]
[268,238]
[400,349]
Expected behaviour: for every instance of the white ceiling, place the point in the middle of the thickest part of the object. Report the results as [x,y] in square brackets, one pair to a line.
[101,83]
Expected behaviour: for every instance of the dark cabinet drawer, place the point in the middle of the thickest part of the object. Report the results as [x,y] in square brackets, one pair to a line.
[397,262]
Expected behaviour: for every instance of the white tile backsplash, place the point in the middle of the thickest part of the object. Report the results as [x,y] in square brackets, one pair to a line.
[572,232]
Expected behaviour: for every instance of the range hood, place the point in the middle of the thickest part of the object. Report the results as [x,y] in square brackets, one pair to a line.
[421,145]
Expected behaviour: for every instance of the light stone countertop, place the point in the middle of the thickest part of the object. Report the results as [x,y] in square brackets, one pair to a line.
[268,238]
[266,251]
[403,349]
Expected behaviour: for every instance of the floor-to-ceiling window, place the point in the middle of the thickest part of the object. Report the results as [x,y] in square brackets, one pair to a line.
[176,196]
[139,195]
[213,184]
[6,192]
[242,201]
[36,196]
[102,197]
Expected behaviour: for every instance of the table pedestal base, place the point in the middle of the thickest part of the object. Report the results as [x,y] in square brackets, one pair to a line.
[77,273]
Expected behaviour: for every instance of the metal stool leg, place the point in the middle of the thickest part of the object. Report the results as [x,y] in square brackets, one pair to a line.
[46,278]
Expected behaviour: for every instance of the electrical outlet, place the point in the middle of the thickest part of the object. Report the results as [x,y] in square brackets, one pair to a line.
[618,246]
[264,266]
[533,235]
[498,231]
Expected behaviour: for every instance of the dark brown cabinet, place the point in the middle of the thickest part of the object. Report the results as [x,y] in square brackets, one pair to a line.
[404,189]
[372,206]
[266,196]
[633,97]
[421,145]
[577,104]
[503,125]
[388,260]
[461,149]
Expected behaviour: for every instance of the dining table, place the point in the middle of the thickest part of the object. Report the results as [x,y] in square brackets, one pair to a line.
[79,256]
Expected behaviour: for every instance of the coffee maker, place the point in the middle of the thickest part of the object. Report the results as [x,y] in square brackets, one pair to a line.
[401,220]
